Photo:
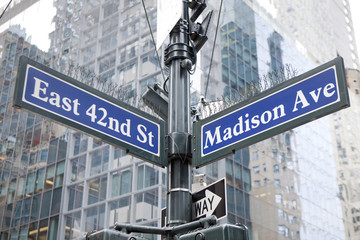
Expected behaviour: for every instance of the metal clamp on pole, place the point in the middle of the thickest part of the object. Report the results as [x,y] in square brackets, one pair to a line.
[180,49]
[179,145]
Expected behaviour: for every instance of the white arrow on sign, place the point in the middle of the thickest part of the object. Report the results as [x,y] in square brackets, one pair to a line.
[207,205]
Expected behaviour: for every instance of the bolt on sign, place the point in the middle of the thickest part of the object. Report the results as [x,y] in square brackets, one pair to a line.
[312,95]
[44,91]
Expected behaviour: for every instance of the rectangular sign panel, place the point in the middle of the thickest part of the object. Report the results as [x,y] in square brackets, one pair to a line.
[53,95]
[309,96]
[210,201]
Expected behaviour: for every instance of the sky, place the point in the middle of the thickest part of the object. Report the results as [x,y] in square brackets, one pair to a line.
[355,13]
[38,27]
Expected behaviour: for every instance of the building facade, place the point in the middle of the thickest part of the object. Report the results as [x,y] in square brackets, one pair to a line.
[33,153]
[345,134]
[58,183]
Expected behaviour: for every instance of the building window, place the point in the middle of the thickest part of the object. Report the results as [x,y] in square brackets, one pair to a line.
[110,8]
[256,169]
[128,74]
[35,207]
[282,157]
[80,143]
[255,155]
[108,77]
[276,168]
[229,171]
[89,36]
[50,174]
[40,180]
[277,183]
[237,175]
[72,228]
[274,153]
[283,230]
[230,198]
[280,213]
[89,53]
[120,211]
[147,82]
[97,189]
[278,198]
[19,192]
[146,206]
[110,25]
[118,159]
[43,229]
[59,175]
[99,161]
[45,205]
[75,196]
[30,184]
[147,176]
[266,181]
[108,43]
[107,62]
[287,139]
[56,201]
[95,218]
[53,148]
[77,168]
[120,183]
[147,45]
[54,222]
[149,64]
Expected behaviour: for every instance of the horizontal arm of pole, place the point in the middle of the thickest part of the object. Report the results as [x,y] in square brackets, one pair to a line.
[202,223]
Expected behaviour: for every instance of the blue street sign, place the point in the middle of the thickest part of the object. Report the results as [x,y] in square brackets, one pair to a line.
[42,90]
[312,95]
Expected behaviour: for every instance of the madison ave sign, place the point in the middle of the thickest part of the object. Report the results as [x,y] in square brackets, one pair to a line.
[307,97]
[51,94]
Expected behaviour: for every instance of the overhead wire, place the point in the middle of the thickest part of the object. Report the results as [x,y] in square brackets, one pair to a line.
[5,8]
[153,39]
[213,48]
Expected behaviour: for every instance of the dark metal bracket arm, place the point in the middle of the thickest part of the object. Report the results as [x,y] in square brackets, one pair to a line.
[168,231]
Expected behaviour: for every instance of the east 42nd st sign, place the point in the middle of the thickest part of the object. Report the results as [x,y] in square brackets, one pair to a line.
[51,94]
[309,96]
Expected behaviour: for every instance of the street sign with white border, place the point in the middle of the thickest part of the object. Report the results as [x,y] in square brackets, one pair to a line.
[210,201]
[44,91]
[297,101]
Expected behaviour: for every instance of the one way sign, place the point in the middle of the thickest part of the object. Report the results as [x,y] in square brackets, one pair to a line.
[210,201]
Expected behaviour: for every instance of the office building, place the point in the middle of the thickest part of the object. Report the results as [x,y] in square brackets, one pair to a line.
[58,183]
[345,133]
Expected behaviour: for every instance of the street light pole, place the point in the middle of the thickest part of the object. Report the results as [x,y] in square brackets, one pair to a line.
[179,57]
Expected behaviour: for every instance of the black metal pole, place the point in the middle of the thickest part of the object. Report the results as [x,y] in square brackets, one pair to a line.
[178,56]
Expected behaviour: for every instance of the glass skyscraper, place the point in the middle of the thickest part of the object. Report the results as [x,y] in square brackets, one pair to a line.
[58,183]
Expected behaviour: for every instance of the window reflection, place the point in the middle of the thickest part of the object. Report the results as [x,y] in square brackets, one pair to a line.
[146,206]
[147,176]
[97,189]
[95,218]
[120,211]
[121,182]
